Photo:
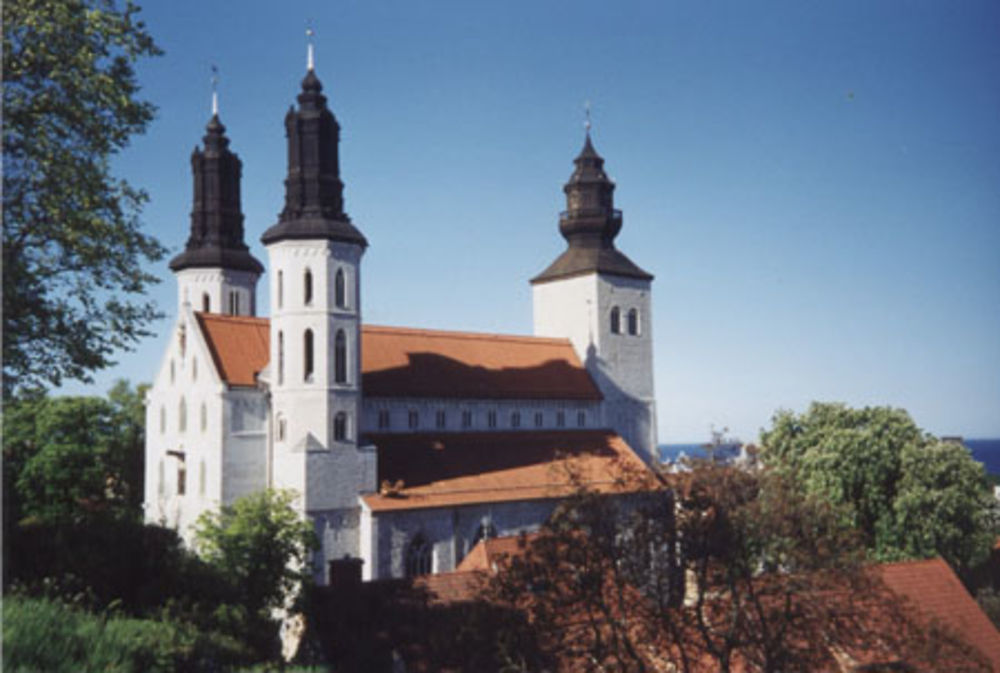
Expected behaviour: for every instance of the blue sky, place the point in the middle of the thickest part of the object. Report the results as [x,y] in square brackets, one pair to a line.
[815,185]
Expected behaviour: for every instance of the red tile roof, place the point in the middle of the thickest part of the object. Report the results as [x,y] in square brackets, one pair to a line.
[239,345]
[937,593]
[403,362]
[439,470]
[485,555]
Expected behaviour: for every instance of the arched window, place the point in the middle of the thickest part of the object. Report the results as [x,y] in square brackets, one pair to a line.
[616,320]
[633,321]
[340,357]
[307,356]
[234,303]
[440,419]
[160,482]
[307,288]
[418,557]
[201,477]
[515,419]
[538,419]
[203,421]
[282,428]
[173,371]
[339,293]
[163,419]
[466,419]
[485,531]
[560,419]
[281,288]
[413,419]
[206,303]
[281,358]
[182,416]
[581,419]
[194,368]
[491,418]
[340,426]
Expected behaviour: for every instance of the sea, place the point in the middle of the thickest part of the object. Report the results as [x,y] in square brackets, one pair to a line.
[986,451]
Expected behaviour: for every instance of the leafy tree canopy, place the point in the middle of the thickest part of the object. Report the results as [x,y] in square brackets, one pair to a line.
[75,261]
[67,458]
[261,543]
[909,494]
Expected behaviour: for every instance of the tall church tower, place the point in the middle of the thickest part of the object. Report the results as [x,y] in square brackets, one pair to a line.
[595,296]
[216,272]
[315,362]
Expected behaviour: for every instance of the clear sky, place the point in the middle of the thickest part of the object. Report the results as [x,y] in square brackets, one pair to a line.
[815,185]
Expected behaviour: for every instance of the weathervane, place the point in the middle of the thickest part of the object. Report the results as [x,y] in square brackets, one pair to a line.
[309,51]
[215,90]
[586,112]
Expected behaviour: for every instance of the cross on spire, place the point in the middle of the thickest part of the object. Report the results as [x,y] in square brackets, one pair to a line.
[215,90]
[586,112]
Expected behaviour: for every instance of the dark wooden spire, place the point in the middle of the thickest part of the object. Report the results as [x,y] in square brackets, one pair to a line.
[216,239]
[590,224]
[314,193]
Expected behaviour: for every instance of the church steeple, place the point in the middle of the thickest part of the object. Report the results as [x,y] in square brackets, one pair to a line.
[216,239]
[590,223]
[314,193]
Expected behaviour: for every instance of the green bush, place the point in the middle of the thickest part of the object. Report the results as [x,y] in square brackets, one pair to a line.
[44,635]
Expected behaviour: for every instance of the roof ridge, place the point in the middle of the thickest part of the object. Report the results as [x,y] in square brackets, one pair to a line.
[461,334]
[220,317]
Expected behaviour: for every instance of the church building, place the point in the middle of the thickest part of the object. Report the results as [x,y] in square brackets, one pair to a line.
[404,446]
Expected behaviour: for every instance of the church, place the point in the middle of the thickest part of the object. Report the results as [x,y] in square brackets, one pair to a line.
[405,446]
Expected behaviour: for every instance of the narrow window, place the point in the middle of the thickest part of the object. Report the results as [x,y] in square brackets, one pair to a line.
[466,419]
[581,419]
[203,421]
[418,557]
[616,320]
[339,293]
[201,477]
[307,290]
[234,303]
[561,419]
[163,419]
[173,371]
[491,419]
[307,356]
[182,416]
[194,368]
[282,428]
[181,478]
[413,419]
[281,288]
[633,321]
[515,419]
[439,419]
[383,419]
[206,303]
[340,357]
[161,481]
[182,340]
[281,358]
[340,426]
[538,419]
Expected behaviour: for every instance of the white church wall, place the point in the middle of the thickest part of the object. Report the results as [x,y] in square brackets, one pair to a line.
[228,292]
[392,414]
[244,450]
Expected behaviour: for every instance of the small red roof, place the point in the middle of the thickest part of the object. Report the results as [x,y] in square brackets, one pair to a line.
[403,362]
[485,555]
[934,590]
[440,470]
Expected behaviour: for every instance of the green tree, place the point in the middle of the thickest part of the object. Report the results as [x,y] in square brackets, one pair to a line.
[907,493]
[262,544]
[75,261]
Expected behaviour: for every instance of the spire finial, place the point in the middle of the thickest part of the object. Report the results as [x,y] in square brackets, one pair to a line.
[310,61]
[586,113]
[215,90]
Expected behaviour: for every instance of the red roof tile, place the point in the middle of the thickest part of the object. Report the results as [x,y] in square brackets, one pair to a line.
[485,555]
[934,589]
[239,345]
[402,362]
[438,470]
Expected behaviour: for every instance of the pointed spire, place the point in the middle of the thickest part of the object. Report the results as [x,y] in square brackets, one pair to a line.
[314,193]
[215,90]
[590,222]
[310,58]
[216,239]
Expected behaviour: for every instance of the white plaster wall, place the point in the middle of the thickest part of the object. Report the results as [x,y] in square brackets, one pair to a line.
[579,308]
[192,284]
[244,451]
[427,408]
[187,374]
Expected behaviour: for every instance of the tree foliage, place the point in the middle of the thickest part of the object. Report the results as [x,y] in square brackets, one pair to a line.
[727,570]
[74,256]
[262,544]
[69,458]
[909,494]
